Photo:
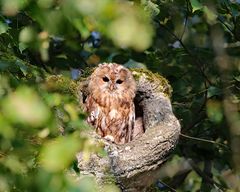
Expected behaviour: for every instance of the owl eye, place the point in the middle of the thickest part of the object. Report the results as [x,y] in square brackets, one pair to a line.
[105,79]
[119,81]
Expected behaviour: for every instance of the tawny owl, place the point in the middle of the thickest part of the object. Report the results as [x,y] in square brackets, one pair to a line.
[110,102]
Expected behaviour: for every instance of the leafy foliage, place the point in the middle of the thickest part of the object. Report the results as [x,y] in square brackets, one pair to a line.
[194,43]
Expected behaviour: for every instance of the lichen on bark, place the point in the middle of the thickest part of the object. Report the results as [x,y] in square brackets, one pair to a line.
[61,84]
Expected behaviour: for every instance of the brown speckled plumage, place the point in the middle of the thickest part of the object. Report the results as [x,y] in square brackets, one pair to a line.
[110,102]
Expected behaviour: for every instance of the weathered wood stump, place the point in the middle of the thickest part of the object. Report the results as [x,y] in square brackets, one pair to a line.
[135,165]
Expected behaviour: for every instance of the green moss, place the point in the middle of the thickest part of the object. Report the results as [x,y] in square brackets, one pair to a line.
[109,177]
[61,84]
[155,78]
[87,72]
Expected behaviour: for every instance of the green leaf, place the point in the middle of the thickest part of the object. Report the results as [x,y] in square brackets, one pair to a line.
[45,3]
[134,64]
[210,15]
[214,111]
[22,46]
[27,35]
[14,164]
[88,184]
[12,7]
[24,106]
[80,25]
[237,78]
[213,91]
[234,9]
[126,36]
[22,67]
[3,27]
[58,154]
[151,7]
[5,129]
[196,5]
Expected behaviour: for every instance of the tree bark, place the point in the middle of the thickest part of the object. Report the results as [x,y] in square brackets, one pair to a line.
[134,166]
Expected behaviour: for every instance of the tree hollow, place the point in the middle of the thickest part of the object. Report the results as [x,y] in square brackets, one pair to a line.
[134,166]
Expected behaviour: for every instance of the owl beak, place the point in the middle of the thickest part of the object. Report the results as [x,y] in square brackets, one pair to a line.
[112,87]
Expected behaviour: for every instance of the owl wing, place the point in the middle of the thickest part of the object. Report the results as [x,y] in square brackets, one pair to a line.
[131,121]
[95,116]
[92,109]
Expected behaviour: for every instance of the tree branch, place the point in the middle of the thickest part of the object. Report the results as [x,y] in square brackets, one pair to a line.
[195,59]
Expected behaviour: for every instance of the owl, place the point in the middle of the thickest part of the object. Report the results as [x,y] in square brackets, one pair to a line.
[110,102]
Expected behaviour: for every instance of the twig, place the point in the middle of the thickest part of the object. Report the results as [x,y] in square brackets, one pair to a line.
[198,120]
[180,177]
[229,29]
[205,177]
[205,140]
[196,60]
[185,26]
[185,23]
[167,186]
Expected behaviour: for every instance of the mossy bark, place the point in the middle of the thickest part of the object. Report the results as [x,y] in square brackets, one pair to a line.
[135,165]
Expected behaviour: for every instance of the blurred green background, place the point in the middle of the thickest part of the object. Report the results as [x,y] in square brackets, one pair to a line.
[193,43]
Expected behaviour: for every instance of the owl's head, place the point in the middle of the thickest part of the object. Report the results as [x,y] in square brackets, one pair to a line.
[112,79]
